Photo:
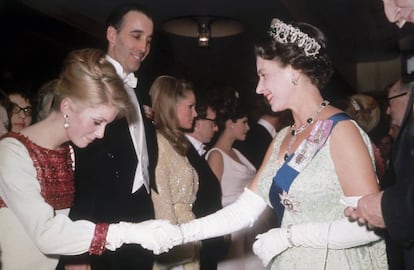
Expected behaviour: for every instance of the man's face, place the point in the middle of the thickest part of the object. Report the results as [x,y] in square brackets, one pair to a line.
[399,11]
[130,44]
[397,103]
[205,128]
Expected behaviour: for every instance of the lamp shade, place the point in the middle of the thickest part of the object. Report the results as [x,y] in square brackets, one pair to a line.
[190,26]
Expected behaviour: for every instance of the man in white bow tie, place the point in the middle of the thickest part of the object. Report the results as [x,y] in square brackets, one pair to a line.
[114,175]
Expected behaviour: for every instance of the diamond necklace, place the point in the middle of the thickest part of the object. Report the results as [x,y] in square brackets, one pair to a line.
[294,132]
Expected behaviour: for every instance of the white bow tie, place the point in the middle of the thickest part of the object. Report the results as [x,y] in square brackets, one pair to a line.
[131,80]
[202,150]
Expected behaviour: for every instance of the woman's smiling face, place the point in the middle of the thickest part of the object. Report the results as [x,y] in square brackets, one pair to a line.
[274,83]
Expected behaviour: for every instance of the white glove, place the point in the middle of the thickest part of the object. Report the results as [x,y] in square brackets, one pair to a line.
[238,215]
[156,235]
[271,244]
[339,234]
[350,201]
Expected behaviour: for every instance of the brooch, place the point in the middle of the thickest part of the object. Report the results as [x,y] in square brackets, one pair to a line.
[289,202]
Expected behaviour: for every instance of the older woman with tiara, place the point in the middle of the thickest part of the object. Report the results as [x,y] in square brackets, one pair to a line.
[312,169]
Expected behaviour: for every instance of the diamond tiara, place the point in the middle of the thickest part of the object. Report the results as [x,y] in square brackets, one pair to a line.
[286,33]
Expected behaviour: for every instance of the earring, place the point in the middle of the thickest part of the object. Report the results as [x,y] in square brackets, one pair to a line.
[66,124]
[295,81]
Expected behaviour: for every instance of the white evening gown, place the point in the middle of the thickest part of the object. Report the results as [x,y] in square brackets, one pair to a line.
[236,176]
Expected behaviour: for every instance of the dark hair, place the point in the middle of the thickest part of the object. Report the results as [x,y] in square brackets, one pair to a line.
[318,68]
[227,105]
[203,103]
[16,88]
[116,17]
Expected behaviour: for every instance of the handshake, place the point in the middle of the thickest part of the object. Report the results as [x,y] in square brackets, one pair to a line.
[160,235]
[156,235]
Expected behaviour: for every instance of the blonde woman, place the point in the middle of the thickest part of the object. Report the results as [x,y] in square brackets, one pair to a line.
[36,173]
[173,104]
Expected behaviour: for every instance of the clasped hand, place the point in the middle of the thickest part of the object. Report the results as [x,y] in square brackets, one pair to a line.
[270,244]
[162,236]
[368,211]
[156,235]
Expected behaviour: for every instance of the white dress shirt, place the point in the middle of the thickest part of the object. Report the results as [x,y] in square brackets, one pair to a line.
[136,128]
[199,146]
[269,127]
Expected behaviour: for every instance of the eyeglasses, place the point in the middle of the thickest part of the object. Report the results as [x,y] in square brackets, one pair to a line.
[396,96]
[26,110]
[209,119]
[213,121]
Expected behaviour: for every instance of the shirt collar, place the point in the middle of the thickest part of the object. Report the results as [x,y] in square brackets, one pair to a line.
[269,127]
[199,146]
[128,79]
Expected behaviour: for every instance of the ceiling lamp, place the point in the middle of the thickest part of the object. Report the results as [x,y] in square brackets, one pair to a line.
[203,27]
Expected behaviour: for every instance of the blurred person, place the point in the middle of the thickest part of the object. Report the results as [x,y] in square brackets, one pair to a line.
[232,169]
[308,173]
[364,109]
[262,132]
[5,106]
[173,104]
[4,120]
[44,99]
[36,173]
[21,114]
[114,175]
[385,147]
[208,198]
[392,208]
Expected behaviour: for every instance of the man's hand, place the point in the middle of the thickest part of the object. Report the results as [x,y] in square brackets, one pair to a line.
[368,211]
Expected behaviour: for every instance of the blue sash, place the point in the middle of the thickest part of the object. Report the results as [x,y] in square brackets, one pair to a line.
[297,162]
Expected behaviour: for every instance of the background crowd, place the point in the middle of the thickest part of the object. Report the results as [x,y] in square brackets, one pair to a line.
[209,180]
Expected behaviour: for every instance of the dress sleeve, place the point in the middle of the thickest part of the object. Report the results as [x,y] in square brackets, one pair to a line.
[52,233]
[163,201]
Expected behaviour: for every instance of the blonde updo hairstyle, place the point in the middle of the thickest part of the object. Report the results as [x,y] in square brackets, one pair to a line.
[364,110]
[90,80]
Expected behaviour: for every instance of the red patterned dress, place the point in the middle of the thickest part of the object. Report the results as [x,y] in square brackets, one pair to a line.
[36,192]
